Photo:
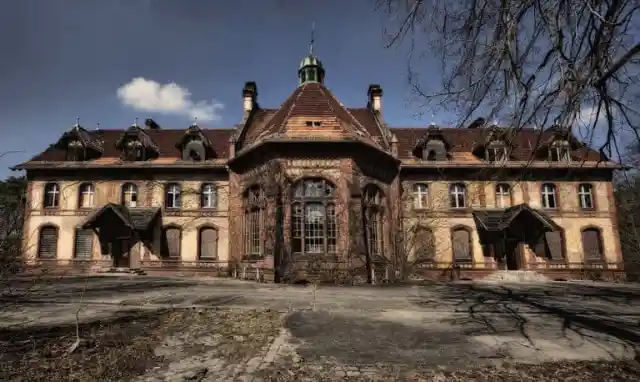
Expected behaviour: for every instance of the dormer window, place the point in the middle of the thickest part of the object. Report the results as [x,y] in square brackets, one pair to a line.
[194,149]
[560,151]
[434,150]
[194,145]
[75,151]
[496,152]
[134,151]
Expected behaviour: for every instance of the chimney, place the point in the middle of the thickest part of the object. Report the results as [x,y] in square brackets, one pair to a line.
[249,96]
[232,146]
[375,98]
[479,122]
[394,145]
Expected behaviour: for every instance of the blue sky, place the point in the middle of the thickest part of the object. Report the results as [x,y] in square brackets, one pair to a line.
[64,59]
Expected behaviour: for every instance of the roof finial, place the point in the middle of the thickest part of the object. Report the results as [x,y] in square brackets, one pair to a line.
[135,122]
[97,126]
[77,125]
[195,121]
[313,29]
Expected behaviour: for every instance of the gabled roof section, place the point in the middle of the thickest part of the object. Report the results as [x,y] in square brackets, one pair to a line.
[195,132]
[311,100]
[524,142]
[135,132]
[81,135]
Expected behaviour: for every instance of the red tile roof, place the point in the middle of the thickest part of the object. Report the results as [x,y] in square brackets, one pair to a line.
[316,100]
[165,139]
[309,100]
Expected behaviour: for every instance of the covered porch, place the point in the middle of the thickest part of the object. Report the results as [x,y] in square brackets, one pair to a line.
[122,231]
[515,237]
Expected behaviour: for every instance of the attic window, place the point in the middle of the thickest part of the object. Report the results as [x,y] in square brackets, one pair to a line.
[314,123]
[134,151]
[560,151]
[496,152]
[75,151]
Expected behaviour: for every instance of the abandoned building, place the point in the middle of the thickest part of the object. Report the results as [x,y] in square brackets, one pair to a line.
[315,186]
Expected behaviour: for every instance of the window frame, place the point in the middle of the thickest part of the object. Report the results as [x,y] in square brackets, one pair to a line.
[51,188]
[456,190]
[129,188]
[582,196]
[83,190]
[544,196]
[420,195]
[172,196]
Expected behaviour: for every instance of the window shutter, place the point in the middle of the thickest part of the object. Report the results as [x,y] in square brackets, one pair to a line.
[208,243]
[84,244]
[48,246]
[461,248]
[591,244]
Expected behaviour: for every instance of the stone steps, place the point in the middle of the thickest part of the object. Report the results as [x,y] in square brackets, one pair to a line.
[516,276]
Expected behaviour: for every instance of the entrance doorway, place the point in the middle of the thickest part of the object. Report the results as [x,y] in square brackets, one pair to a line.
[512,253]
[120,251]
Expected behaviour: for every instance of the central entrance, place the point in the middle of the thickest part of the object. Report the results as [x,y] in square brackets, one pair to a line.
[120,252]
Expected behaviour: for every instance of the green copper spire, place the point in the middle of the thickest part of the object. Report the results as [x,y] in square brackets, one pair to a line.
[311,69]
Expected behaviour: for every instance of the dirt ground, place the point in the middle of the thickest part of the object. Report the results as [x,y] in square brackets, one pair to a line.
[218,330]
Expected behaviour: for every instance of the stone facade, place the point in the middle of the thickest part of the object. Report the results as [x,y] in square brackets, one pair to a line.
[316,189]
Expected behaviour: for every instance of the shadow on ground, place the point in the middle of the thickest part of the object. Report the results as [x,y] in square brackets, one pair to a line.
[596,317]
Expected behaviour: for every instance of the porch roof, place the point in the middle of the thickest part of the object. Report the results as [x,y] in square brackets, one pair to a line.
[135,218]
[498,220]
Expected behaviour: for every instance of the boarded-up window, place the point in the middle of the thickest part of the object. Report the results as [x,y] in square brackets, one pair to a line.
[208,243]
[171,242]
[48,243]
[554,241]
[461,240]
[591,244]
[424,246]
[83,246]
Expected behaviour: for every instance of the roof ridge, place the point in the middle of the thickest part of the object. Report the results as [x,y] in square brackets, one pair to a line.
[328,93]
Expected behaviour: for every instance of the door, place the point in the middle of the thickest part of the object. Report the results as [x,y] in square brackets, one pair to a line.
[121,253]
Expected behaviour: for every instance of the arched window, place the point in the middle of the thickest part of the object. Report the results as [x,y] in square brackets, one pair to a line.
[313,217]
[592,244]
[208,196]
[503,195]
[461,244]
[373,218]
[172,196]
[420,196]
[171,239]
[548,195]
[458,195]
[48,242]
[254,204]
[51,195]
[129,195]
[585,194]
[83,246]
[207,243]
[86,195]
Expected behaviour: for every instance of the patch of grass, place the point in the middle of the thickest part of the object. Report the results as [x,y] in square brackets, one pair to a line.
[126,347]
[110,350]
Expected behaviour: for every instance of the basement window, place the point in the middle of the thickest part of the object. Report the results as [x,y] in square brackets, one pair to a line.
[314,123]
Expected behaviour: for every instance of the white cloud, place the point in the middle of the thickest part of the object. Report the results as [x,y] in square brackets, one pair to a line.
[148,95]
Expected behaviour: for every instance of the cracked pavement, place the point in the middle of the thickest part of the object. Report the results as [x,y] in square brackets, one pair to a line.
[416,326]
